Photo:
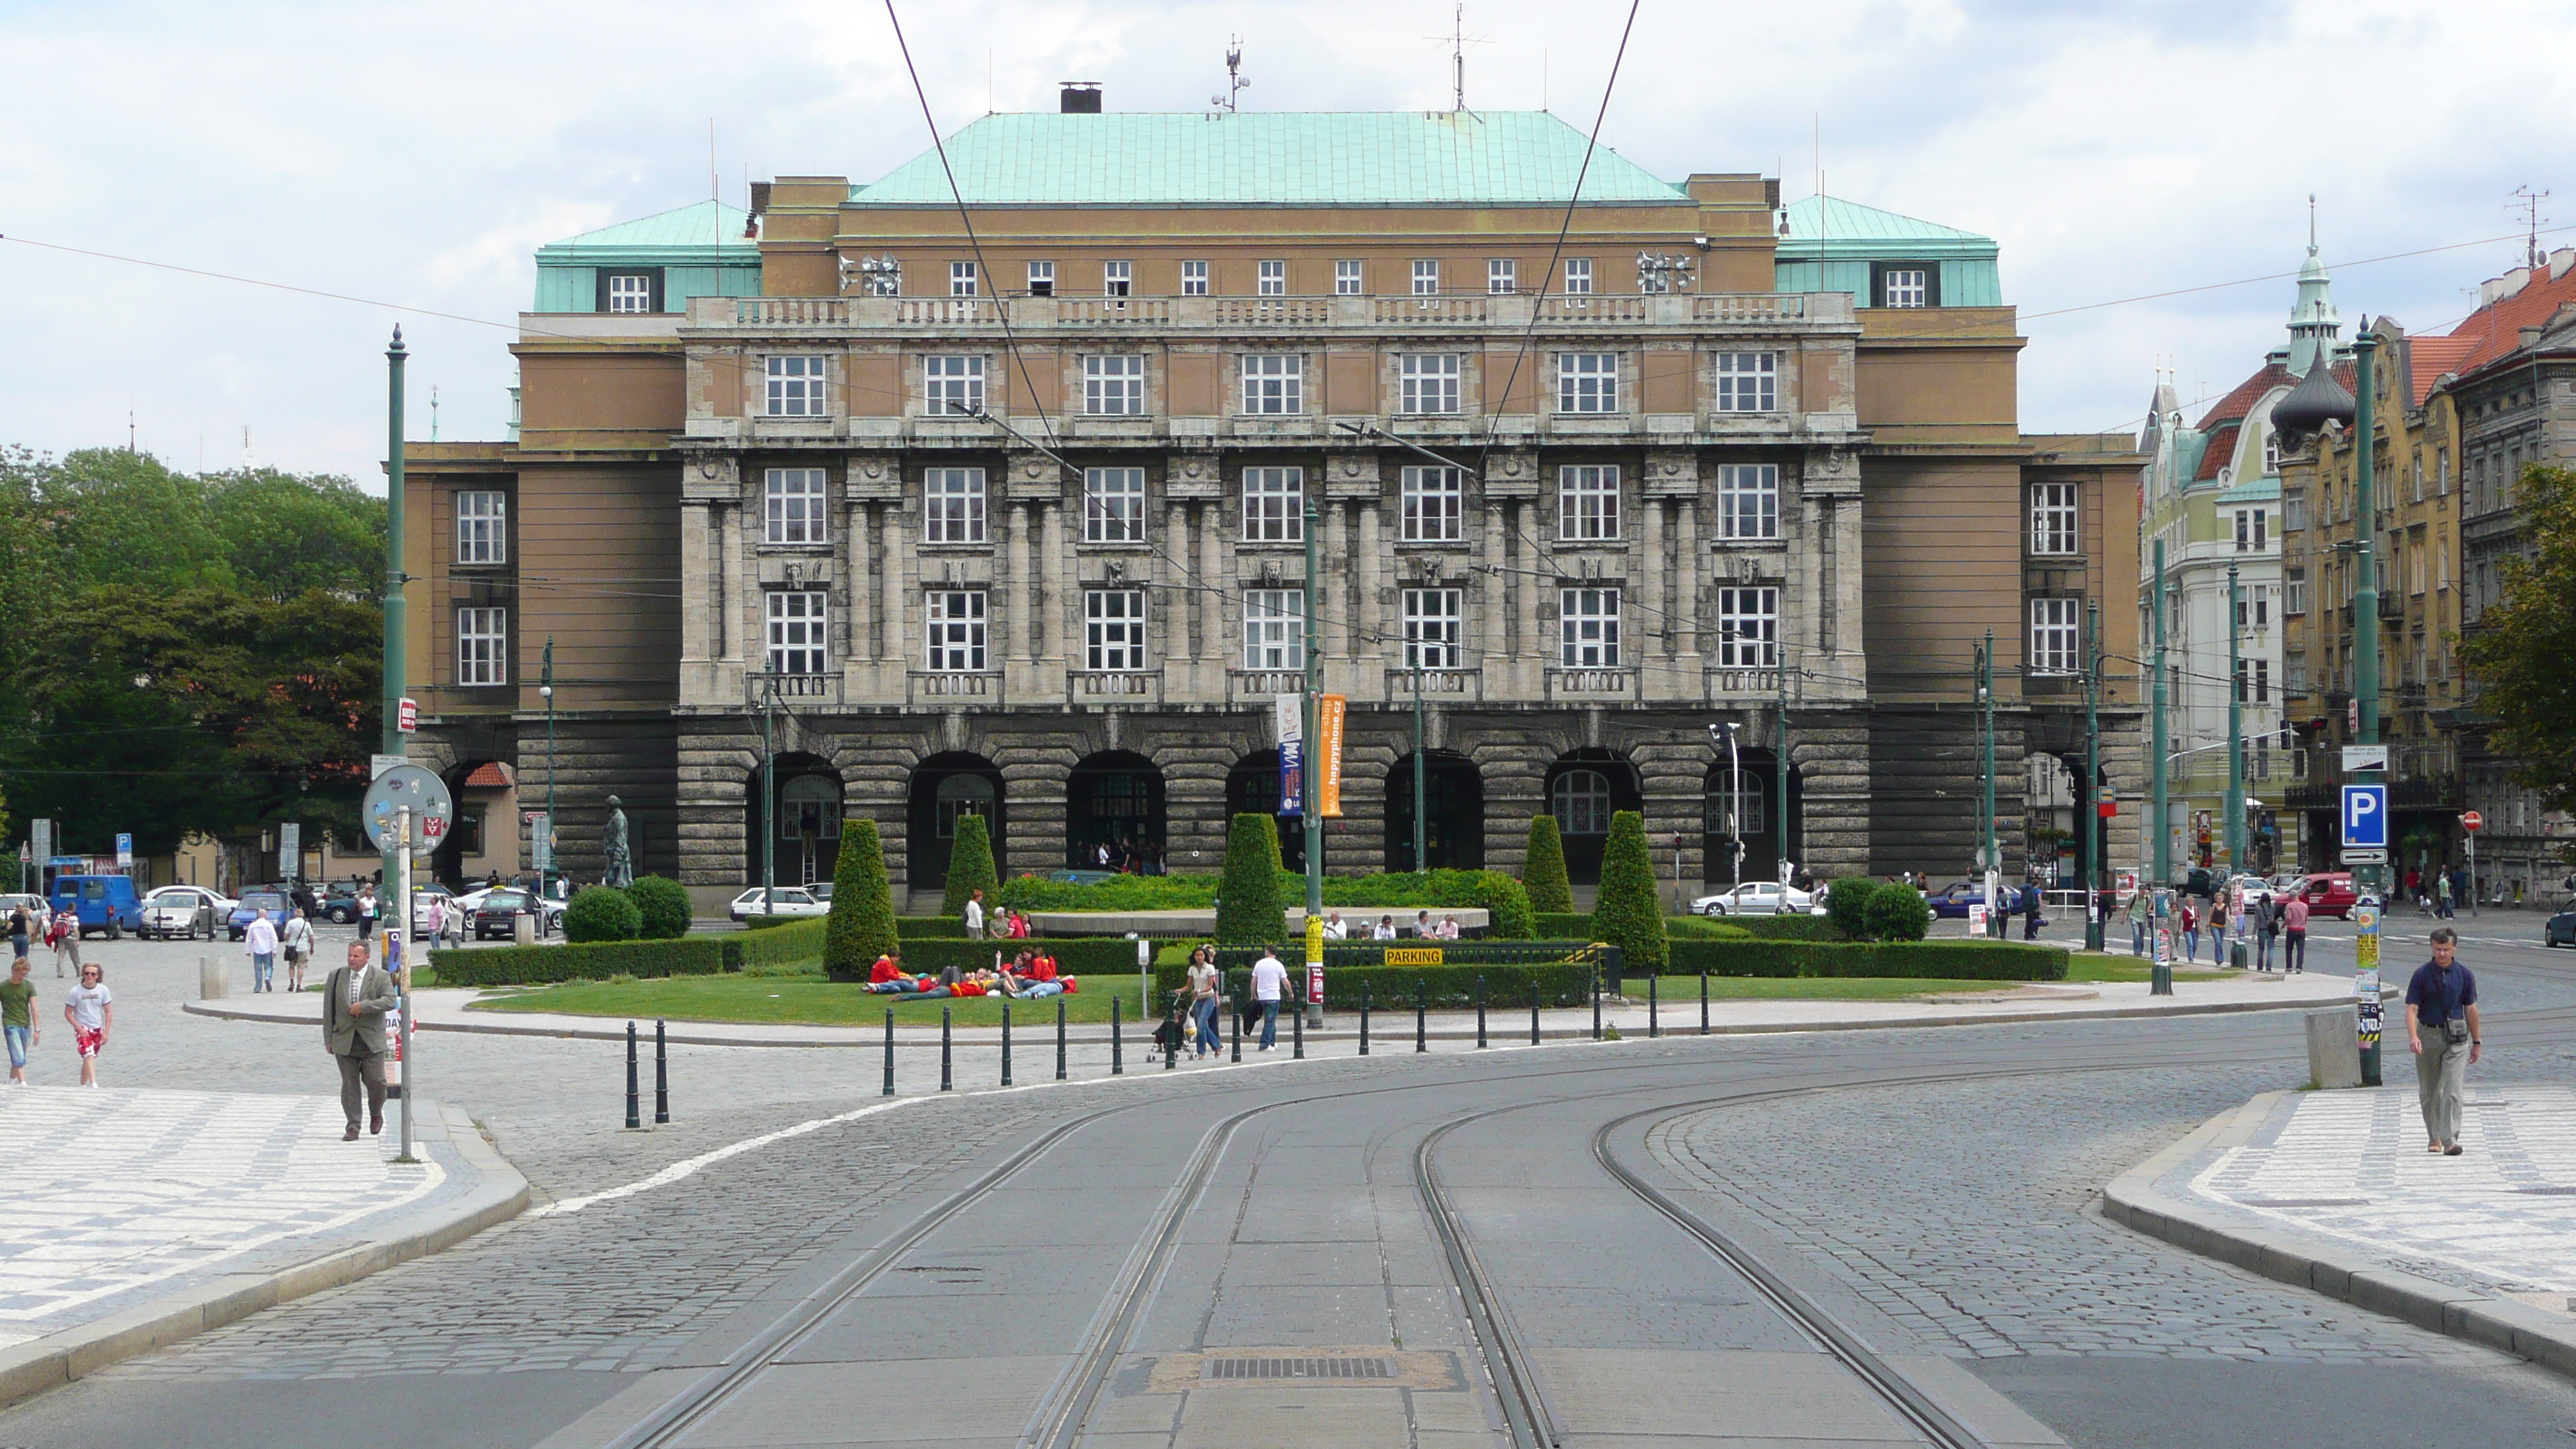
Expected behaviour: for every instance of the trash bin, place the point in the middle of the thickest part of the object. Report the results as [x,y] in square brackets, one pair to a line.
[2236,954]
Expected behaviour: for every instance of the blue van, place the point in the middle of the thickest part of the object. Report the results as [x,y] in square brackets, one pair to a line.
[103,903]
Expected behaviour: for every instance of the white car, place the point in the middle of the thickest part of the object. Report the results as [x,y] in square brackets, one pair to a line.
[182,911]
[1756,898]
[785,901]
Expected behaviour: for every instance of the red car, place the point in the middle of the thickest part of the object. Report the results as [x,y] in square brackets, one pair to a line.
[2331,893]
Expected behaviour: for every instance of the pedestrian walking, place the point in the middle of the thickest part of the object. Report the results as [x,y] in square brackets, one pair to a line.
[367,912]
[354,1003]
[91,1009]
[259,942]
[2265,923]
[2294,935]
[21,926]
[64,936]
[2442,1032]
[18,1019]
[1268,977]
[974,916]
[2032,900]
[2141,914]
[2442,895]
[298,944]
[2218,929]
[2190,934]
[1203,992]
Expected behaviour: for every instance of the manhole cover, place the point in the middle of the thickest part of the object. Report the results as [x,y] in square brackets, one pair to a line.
[1297,1368]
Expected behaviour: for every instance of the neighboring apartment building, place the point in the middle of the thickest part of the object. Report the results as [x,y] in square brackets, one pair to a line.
[1015,526]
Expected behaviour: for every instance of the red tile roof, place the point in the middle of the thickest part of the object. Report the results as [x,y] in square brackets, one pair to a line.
[2496,329]
[2237,404]
[2430,357]
[487,776]
[2221,451]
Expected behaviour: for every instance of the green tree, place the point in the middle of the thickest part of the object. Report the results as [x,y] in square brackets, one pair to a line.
[861,926]
[2522,660]
[1627,913]
[1898,914]
[1543,872]
[283,534]
[970,866]
[1847,904]
[602,913]
[1249,909]
[122,518]
[662,907]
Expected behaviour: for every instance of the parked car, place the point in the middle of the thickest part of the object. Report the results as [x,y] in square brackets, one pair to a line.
[272,904]
[106,904]
[2331,893]
[1955,898]
[13,901]
[183,911]
[497,913]
[786,901]
[1755,898]
[340,903]
[2560,930]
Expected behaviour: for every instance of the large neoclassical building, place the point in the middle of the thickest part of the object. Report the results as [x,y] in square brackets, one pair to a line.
[1014,523]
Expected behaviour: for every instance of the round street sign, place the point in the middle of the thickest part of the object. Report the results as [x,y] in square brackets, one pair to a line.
[2472,820]
[431,809]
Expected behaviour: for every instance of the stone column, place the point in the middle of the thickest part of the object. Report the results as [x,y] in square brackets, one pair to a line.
[1053,617]
[1372,565]
[1686,582]
[1654,615]
[855,644]
[1017,590]
[698,583]
[891,553]
[1212,576]
[1180,611]
[1341,616]
[1494,621]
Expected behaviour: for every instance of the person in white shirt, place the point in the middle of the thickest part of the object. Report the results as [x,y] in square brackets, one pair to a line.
[91,1010]
[1385,930]
[974,916]
[1448,928]
[298,942]
[1335,929]
[259,942]
[1268,977]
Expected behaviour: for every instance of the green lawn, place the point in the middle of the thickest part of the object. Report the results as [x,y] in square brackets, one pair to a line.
[804,1000]
[1683,991]
[2109,967]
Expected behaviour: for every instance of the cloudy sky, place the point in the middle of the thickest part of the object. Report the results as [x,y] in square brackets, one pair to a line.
[417,155]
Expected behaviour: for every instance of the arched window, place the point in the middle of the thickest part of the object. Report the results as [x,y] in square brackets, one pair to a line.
[809,808]
[962,795]
[1750,811]
[1581,802]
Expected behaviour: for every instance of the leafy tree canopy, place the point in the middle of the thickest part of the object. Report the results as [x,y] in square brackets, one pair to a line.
[2522,660]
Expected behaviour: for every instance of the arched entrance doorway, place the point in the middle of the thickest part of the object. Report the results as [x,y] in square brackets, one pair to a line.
[1114,802]
[1453,814]
[1252,788]
[1745,807]
[806,820]
[946,787]
[1582,790]
[483,840]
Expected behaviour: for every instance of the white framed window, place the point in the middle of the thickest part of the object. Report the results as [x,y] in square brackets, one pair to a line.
[1905,287]
[630,292]
[2254,610]
[1431,628]
[952,505]
[1580,801]
[1578,276]
[953,626]
[2053,519]
[1041,279]
[1426,277]
[795,387]
[1502,274]
[1274,505]
[482,527]
[1435,501]
[1113,385]
[792,505]
[1748,623]
[1274,382]
[1113,629]
[796,624]
[1347,276]
[482,646]
[1748,382]
[1428,382]
[2271,454]
[1271,279]
[961,279]
[2294,595]
[1587,503]
[1588,628]
[2055,635]
[1194,279]
[1748,500]
[1274,629]
[1113,505]
[1587,382]
[1117,279]
[2251,529]
[952,385]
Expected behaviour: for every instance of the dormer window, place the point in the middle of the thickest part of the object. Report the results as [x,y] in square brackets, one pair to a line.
[1905,284]
[631,290]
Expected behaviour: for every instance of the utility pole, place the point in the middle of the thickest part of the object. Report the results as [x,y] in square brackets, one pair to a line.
[2365,529]
[2159,824]
[2091,801]
[1994,860]
[546,861]
[1311,778]
[395,356]
[2235,729]
[1780,768]
[768,792]
[1421,861]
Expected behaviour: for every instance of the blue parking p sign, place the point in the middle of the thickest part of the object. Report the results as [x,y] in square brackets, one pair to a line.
[2365,817]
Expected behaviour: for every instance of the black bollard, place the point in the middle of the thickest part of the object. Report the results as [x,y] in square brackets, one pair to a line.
[1006,1043]
[661,1076]
[1533,1009]
[1297,1030]
[634,1097]
[1171,1056]
[1421,1016]
[889,1065]
[1703,1002]
[1117,1053]
[1059,1038]
[1364,1005]
[1596,1002]
[1654,997]
[1234,1018]
[1480,1011]
[947,1082]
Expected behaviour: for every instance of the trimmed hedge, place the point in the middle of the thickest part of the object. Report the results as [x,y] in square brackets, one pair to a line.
[663,905]
[1562,925]
[1898,914]
[602,913]
[800,940]
[1118,893]
[1945,960]
[924,928]
[970,867]
[533,965]
[1847,904]
[1627,913]
[1544,869]
[1787,928]
[1251,906]
[860,926]
[1391,988]
[1082,956]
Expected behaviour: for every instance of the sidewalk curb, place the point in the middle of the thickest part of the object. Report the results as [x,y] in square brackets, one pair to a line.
[49,1362]
[2302,1261]
[985,1036]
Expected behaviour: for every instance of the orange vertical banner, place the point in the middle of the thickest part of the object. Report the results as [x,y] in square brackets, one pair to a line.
[1329,709]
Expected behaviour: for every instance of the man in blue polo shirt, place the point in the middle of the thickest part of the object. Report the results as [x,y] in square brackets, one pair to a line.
[2442,1031]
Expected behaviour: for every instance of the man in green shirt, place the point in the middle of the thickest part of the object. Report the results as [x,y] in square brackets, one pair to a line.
[18,1018]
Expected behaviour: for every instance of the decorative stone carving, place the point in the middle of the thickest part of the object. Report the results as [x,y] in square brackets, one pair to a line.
[1511,473]
[1671,473]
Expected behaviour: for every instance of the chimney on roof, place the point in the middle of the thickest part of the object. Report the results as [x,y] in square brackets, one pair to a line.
[2560,260]
[1078,98]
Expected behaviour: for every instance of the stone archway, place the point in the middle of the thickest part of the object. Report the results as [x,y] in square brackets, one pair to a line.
[945,787]
[1453,812]
[1583,789]
[1114,800]
[805,820]
[1252,788]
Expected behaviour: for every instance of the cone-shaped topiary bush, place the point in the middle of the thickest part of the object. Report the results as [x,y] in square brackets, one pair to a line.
[1626,913]
[663,904]
[1248,908]
[602,913]
[1847,904]
[1544,872]
[970,866]
[861,926]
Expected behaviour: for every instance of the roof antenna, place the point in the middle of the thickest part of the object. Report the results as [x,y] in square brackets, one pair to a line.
[1234,80]
[2529,202]
[1458,57]
[433,412]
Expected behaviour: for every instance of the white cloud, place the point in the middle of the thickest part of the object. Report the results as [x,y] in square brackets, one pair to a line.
[418,157]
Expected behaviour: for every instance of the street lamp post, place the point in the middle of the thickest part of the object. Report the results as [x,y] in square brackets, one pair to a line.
[2365,530]
[1421,860]
[546,848]
[2095,838]
[1734,806]
[1993,858]
[2235,728]
[2158,807]
[395,356]
[1310,778]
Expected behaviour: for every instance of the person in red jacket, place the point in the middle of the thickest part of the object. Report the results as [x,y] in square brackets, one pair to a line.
[1041,966]
[888,967]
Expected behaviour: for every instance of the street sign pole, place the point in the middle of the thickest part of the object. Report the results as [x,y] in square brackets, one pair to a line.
[402,982]
[2365,988]
[2090,802]
[1313,777]
[394,739]
[2365,532]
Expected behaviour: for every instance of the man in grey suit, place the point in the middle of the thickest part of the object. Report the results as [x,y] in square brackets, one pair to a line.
[354,1003]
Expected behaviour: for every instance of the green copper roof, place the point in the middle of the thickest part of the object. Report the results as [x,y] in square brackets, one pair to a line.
[1368,158]
[1820,225]
[700,231]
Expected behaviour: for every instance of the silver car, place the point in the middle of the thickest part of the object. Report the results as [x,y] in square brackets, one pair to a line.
[786,901]
[183,912]
[1755,898]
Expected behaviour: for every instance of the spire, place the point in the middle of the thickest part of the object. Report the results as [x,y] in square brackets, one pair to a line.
[2313,323]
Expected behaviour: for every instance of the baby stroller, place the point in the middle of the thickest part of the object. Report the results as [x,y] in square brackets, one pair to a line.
[1172,1036]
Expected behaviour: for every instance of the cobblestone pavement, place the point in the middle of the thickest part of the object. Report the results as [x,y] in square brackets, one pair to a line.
[1958,1211]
